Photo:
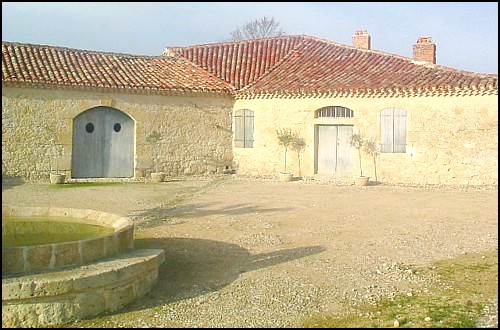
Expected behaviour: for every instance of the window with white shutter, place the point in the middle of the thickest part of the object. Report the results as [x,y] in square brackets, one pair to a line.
[393,130]
[243,128]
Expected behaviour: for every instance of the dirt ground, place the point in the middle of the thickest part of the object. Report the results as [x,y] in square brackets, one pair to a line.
[221,232]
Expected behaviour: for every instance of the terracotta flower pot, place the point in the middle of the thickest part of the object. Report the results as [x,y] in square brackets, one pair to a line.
[361,180]
[57,178]
[286,176]
[157,177]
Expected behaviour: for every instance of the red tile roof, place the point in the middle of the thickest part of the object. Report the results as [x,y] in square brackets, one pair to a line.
[40,65]
[239,63]
[285,66]
[305,65]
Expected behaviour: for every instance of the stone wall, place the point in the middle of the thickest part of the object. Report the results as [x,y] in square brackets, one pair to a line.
[197,130]
[450,139]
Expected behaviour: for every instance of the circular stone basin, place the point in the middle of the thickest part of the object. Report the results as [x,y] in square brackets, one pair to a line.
[37,239]
[19,231]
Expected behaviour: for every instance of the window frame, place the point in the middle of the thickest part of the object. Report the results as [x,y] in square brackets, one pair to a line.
[393,130]
[244,128]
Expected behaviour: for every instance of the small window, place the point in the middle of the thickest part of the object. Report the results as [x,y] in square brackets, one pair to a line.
[393,130]
[117,127]
[334,112]
[243,128]
[89,127]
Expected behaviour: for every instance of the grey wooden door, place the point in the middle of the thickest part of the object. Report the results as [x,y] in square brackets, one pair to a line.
[103,144]
[333,150]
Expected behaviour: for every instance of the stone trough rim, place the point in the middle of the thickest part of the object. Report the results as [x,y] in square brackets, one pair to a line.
[118,241]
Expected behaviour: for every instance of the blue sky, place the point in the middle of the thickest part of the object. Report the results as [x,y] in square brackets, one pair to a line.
[465,33]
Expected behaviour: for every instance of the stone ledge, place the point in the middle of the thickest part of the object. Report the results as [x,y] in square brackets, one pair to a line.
[65,296]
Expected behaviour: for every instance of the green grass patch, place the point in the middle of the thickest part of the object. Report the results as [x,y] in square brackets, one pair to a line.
[89,184]
[467,284]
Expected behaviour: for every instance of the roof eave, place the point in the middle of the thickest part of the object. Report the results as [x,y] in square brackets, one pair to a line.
[144,91]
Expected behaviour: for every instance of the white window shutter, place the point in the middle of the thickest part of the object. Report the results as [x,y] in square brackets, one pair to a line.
[386,130]
[399,130]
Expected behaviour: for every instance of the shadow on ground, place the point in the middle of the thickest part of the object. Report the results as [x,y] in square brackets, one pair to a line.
[195,267]
[162,215]
[374,183]
[9,181]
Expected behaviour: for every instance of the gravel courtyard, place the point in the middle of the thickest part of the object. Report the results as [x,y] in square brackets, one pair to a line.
[245,252]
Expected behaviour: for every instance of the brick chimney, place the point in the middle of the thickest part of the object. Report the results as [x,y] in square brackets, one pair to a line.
[425,50]
[170,52]
[361,39]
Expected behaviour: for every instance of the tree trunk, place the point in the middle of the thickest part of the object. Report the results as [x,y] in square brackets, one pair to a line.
[286,149]
[360,167]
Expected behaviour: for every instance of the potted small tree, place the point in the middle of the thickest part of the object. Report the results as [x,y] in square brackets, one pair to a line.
[154,140]
[357,141]
[298,145]
[285,138]
[371,147]
[54,175]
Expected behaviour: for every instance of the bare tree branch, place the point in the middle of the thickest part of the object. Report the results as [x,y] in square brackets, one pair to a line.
[259,28]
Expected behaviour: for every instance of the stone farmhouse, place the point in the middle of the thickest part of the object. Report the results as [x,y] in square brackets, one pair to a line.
[217,107]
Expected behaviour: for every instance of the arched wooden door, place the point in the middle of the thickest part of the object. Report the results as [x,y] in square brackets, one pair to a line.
[103,144]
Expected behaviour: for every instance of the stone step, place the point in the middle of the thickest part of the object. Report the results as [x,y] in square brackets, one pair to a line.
[64,296]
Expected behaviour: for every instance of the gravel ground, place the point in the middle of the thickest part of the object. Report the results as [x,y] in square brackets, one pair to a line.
[254,252]
[490,319]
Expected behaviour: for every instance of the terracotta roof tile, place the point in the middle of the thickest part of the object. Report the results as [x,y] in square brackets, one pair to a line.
[309,65]
[298,65]
[49,65]
[239,63]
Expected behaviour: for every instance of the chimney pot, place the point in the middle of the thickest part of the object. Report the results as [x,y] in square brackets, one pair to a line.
[170,52]
[361,39]
[425,50]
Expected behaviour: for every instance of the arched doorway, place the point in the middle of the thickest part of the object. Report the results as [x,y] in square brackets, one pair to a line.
[103,144]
